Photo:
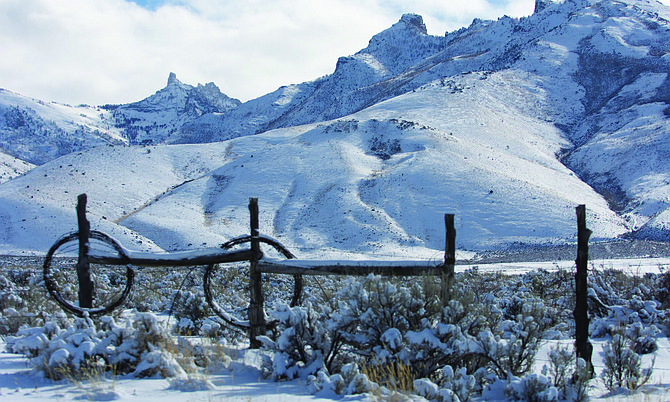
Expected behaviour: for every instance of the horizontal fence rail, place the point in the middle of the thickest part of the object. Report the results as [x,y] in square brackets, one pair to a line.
[181,259]
[355,268]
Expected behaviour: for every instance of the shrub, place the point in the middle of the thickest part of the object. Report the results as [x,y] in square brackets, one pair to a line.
[401,331]
[570,376]
[305,344]
[523,337]
[350,381]
[21,297]
[191,310]
[623,367]
[560,362]
[138,345]
[532,388]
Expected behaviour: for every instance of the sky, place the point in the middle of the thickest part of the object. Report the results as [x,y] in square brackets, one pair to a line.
[119,51]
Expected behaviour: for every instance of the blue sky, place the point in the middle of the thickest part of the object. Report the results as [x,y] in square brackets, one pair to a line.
[118,51]
[150,4]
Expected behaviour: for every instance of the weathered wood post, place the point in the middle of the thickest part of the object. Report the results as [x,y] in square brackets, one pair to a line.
[583,347]
[256,312]
[83,266]
[449,257]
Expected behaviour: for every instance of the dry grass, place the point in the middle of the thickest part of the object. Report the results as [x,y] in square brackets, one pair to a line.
[395,377]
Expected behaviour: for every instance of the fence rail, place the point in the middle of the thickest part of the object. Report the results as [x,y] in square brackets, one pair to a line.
[354,268]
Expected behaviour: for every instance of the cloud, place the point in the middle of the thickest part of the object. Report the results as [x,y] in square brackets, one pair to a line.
[116,51]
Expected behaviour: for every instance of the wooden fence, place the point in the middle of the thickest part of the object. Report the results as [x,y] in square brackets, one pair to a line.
[258,266]
[416,268]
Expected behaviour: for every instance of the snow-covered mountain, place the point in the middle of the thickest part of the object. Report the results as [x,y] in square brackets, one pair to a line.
[508,123]
[602,66]
[376,182]
[156,118]
[37,131]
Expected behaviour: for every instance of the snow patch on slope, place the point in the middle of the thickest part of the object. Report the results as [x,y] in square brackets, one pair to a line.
[11,167]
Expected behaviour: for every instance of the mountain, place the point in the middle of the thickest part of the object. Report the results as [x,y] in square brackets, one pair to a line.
[508,124]
[374,183]
[38,131]
[602,66]
[156,118]
[373,74]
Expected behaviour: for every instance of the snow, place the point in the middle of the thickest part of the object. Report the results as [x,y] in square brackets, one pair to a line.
[244,384]
[498,123]
[240,379]
[109,175]
[64,116]
[11,167]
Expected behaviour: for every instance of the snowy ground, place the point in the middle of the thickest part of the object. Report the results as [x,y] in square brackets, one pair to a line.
[241,380]
[243,383]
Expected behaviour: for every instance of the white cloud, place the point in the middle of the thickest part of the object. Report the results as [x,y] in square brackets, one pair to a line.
[115,51]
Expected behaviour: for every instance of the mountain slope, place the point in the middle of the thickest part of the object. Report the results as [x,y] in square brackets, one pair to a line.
[38,132]
[39,206]
[379,181]
[375,183]
[11,167]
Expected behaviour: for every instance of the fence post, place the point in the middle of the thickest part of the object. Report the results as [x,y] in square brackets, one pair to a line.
[83,266]
[583,347]
[449,257]
[256,311]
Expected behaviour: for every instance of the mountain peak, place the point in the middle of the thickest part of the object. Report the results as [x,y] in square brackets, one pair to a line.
[416,21]
[172,79]
[540,5]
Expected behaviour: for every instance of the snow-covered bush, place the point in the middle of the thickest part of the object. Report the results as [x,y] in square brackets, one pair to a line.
[431,391]
[578,390]
[369,307]
[21,298]
[385,325]
[643,337]
[532,388]
[307,341]
[561,361]
[349,382]
[137,344]
[191,310]
[663,289]
[460,382]
[523,335]
[616,295]
[331,331]
[570,376]
[623,366]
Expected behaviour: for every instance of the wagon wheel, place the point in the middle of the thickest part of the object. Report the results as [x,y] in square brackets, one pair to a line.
[112,283]
[213,277]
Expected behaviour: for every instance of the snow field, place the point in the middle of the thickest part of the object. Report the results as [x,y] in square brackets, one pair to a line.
[244,376]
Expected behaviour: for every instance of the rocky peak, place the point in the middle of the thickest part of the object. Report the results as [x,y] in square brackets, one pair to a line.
[172,80]
[541,5]
[416,21]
